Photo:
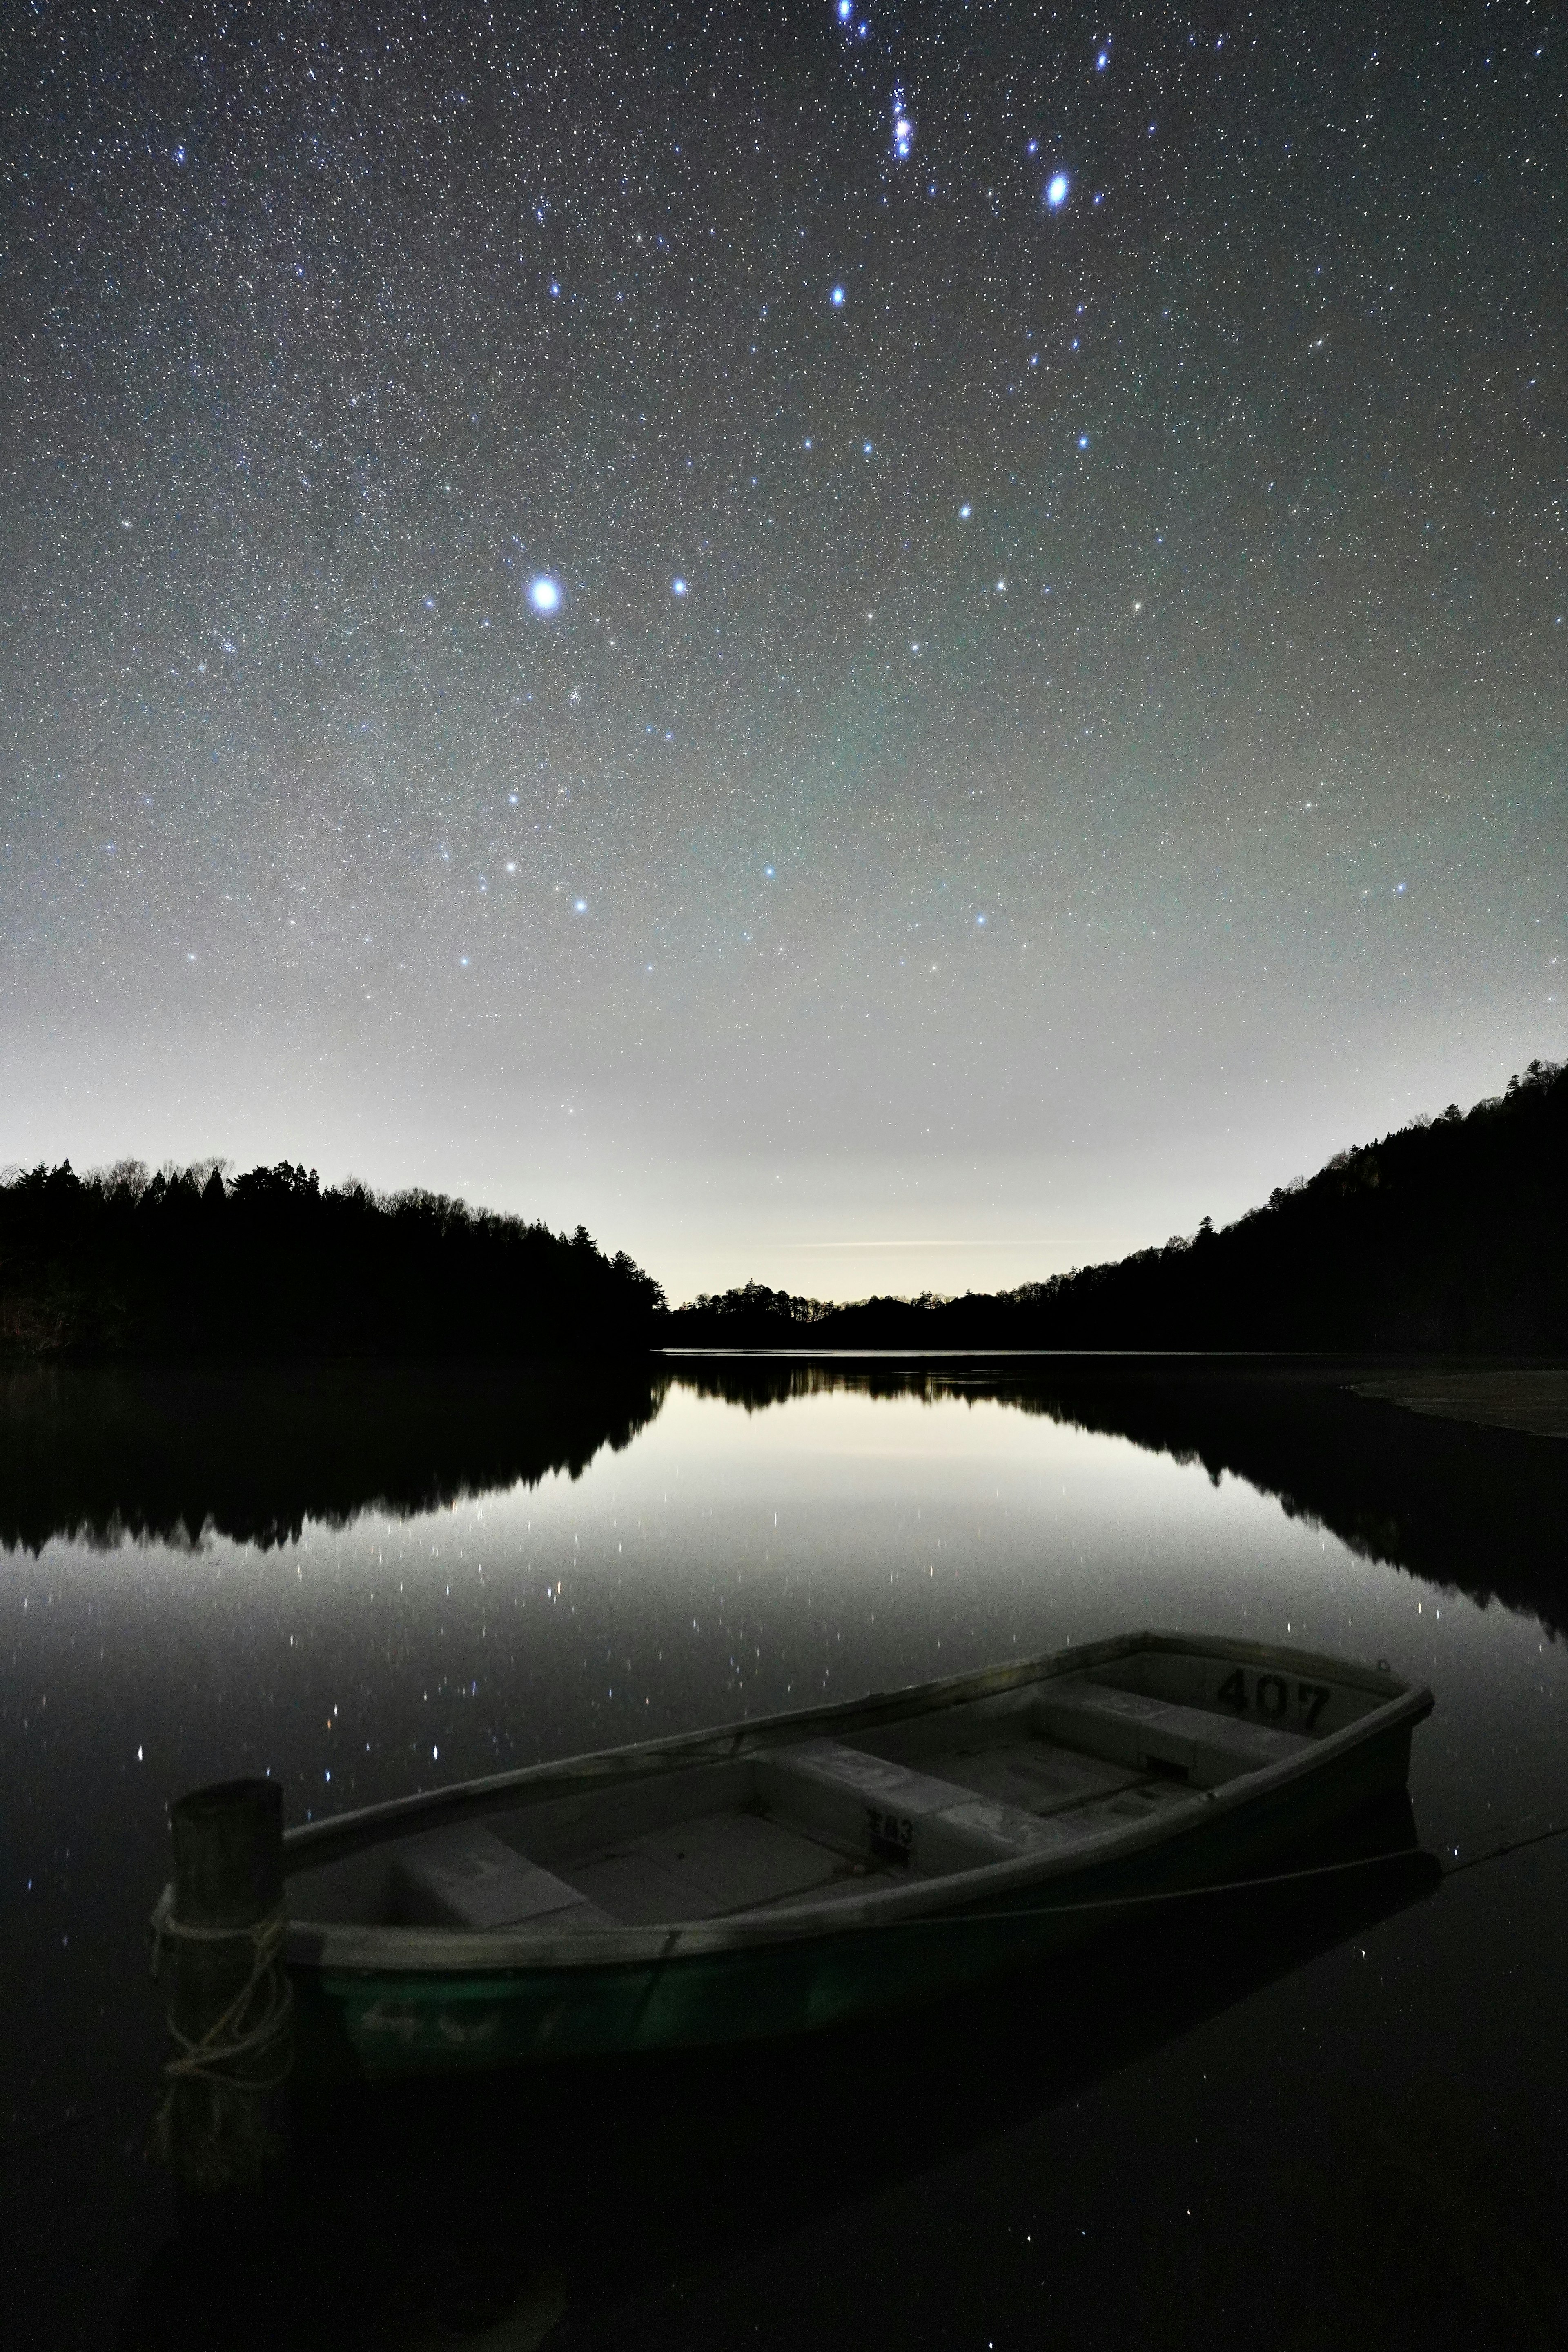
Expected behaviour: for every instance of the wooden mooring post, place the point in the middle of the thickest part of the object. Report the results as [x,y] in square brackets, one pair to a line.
[220,1931]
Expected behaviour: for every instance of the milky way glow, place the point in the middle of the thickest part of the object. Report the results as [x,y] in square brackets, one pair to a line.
[373,796]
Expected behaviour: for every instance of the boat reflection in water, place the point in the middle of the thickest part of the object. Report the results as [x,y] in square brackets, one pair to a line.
[588,2203]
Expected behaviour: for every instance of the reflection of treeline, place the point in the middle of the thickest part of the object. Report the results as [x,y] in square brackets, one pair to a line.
[755,1382]
[1448,1235]
[165,1452]
[182,1263]
[1479,1509]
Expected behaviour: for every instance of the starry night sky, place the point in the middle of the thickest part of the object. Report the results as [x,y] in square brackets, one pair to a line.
[875,652]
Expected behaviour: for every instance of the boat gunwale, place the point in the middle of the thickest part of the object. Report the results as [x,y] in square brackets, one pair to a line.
[372,1948]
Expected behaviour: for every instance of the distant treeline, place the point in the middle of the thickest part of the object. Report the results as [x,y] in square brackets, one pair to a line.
[184,1262]
[1450,1234]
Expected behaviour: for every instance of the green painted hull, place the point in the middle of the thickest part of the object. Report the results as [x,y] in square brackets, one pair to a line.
[374,2025]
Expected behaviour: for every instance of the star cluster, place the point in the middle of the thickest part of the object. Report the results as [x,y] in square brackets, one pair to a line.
[781,626]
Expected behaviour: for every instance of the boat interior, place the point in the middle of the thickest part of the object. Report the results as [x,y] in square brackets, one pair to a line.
[1036,1771]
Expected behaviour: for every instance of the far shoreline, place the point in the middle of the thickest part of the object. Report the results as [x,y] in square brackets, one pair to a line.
[1527,1395]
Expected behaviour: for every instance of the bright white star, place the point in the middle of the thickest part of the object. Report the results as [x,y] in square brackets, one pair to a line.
[544,594]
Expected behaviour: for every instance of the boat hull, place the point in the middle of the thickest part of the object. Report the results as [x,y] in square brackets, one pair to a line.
[372,2024]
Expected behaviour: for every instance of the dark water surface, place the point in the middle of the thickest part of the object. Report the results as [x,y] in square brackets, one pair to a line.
[1329,2115]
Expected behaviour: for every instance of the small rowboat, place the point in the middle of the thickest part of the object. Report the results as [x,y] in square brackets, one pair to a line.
[779,1876]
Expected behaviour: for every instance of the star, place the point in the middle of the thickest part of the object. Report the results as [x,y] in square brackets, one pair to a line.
[544,594]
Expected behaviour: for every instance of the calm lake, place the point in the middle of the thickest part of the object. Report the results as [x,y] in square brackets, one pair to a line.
[1324,2119]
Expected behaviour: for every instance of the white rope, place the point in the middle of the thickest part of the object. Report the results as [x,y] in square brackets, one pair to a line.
[257,2015]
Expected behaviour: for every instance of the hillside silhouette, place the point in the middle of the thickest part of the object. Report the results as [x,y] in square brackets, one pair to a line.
[1449,1234]
[185,1263]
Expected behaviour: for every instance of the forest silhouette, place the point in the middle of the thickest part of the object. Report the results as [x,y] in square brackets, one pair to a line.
[187,1264]
[1446,1235]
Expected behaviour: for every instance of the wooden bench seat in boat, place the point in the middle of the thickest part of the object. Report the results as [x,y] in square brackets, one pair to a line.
[1156,1735]
[895,1814]
[817,1794]
[466,1877]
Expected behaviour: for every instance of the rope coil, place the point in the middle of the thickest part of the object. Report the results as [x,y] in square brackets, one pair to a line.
[259,2015]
